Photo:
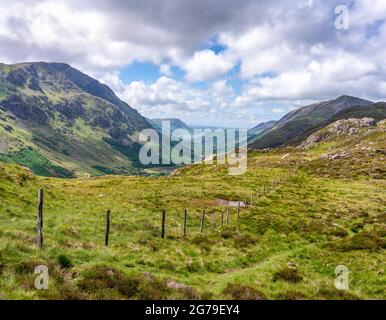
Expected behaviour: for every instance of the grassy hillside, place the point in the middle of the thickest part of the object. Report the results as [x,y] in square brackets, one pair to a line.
[376,111]
[298,124]
[322,212]
[68,124]
[259,130]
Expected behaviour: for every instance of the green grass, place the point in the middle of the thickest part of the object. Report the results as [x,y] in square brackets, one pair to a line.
[39,164]
[315,220]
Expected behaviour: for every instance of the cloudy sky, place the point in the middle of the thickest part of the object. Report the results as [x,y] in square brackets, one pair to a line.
[212,62]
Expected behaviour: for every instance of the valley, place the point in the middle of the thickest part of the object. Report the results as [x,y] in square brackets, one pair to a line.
[320,212]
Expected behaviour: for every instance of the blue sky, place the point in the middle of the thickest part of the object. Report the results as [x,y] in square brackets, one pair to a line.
[140,71]
[217,62]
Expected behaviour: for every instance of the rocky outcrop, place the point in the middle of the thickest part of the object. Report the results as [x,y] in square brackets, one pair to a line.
[349,127]
[382,124]
[335,155]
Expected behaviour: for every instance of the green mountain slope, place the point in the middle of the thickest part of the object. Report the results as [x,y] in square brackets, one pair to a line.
[377,111]
[259,130]
[297,124]
[60,122]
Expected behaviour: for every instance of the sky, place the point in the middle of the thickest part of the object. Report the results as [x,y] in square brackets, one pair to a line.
[208,62]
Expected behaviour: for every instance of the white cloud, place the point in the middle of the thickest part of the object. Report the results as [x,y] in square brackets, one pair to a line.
[365,12]
[289,53]
[206,65]
[162,96]
[112,80]
[167,97]
[166,70]
[259,51]
[340,74]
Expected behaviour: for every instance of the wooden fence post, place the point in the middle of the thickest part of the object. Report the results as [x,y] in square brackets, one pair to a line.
[227,215]
[202,221]
[238,210]
[107,228]
[185,222]
[213,223]
[40,218]
[222,218]
[163,224]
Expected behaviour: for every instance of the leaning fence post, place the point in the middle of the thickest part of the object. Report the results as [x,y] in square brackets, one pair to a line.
[202,221]
[222,217]
[107,228]
[185,222]
[227,215]
[163,224]
[40,218]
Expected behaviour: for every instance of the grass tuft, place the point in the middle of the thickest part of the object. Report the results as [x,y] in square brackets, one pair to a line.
[287,274]
[243,292]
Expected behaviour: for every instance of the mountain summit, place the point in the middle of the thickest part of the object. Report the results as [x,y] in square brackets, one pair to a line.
[60,122]
[300,123]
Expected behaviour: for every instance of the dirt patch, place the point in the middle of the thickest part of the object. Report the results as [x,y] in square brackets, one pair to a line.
[231,203]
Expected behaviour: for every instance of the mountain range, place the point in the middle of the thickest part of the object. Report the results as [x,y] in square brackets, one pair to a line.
[300,123]
[59,122]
